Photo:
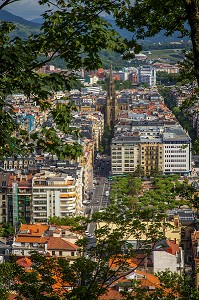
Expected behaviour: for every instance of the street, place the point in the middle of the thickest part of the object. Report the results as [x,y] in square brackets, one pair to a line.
[101,189]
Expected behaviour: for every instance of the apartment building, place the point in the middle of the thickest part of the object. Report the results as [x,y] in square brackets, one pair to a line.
[162,148]
[151,156]
[56,194]
[177,151]
[15,197]
[147,74]
[125,154]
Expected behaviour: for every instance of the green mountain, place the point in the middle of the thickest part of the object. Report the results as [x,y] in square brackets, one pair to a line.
[23,27]
[158,38]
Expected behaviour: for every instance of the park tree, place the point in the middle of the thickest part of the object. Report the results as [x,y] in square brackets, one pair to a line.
[73,31]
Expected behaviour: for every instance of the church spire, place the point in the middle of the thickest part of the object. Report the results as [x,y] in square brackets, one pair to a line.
[111,104]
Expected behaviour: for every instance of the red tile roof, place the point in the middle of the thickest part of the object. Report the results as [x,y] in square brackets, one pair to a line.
[57,243]
[31,239]
[146,280]
[32,229]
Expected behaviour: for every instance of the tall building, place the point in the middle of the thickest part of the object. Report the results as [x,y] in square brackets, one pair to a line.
[177,151]
[15,197]
[111,102]
[56,194]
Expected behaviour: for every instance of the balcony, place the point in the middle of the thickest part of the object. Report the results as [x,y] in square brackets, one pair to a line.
[39,204]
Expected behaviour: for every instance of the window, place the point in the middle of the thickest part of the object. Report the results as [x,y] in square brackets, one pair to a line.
[53,252]
[72,253]
[60,253]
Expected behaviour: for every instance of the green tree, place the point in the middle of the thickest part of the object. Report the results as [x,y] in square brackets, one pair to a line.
[66,221]
[98,265]
[6,230]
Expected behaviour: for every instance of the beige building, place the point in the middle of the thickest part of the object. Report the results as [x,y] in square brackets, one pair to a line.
[152,157]
[125,155]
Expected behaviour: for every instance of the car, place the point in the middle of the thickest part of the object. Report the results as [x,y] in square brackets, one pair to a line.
[86,232]
[87,202]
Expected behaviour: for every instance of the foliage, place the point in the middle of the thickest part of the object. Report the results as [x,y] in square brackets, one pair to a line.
[6,230]
[165,192]
[166,78]
[66,221]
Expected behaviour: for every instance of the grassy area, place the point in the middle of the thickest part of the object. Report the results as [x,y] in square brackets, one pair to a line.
[170,55]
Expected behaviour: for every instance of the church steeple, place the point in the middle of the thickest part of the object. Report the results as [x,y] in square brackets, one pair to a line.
[111,101]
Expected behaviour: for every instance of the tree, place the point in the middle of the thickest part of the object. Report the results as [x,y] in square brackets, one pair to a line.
[72,31]
[66,221]
[98,264]
[146,18]
[6,230]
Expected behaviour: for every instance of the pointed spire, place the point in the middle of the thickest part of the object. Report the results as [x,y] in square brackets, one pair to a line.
[111,73]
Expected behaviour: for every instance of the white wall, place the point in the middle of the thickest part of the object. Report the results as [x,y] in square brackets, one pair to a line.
[163,260]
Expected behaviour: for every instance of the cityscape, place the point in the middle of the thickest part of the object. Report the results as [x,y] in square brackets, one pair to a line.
[99,166]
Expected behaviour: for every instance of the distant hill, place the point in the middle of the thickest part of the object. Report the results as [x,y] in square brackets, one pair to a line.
[37,20]
[6,16]
[158,38]
[24,28]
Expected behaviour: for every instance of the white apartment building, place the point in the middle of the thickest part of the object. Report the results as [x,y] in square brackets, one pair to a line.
[147,74]
[177,151]
[56,194]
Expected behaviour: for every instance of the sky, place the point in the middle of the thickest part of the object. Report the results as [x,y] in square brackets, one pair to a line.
[27,9]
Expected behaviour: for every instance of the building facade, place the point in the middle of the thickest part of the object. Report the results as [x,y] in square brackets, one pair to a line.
[56,194]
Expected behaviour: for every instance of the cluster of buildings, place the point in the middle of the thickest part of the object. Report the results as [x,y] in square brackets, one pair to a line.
[148,136]
[39,185]
[179,247]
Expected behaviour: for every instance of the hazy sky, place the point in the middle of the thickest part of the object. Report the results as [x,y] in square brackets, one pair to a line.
[27,9]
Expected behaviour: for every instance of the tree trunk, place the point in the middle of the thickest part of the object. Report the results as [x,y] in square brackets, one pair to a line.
[192,10]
